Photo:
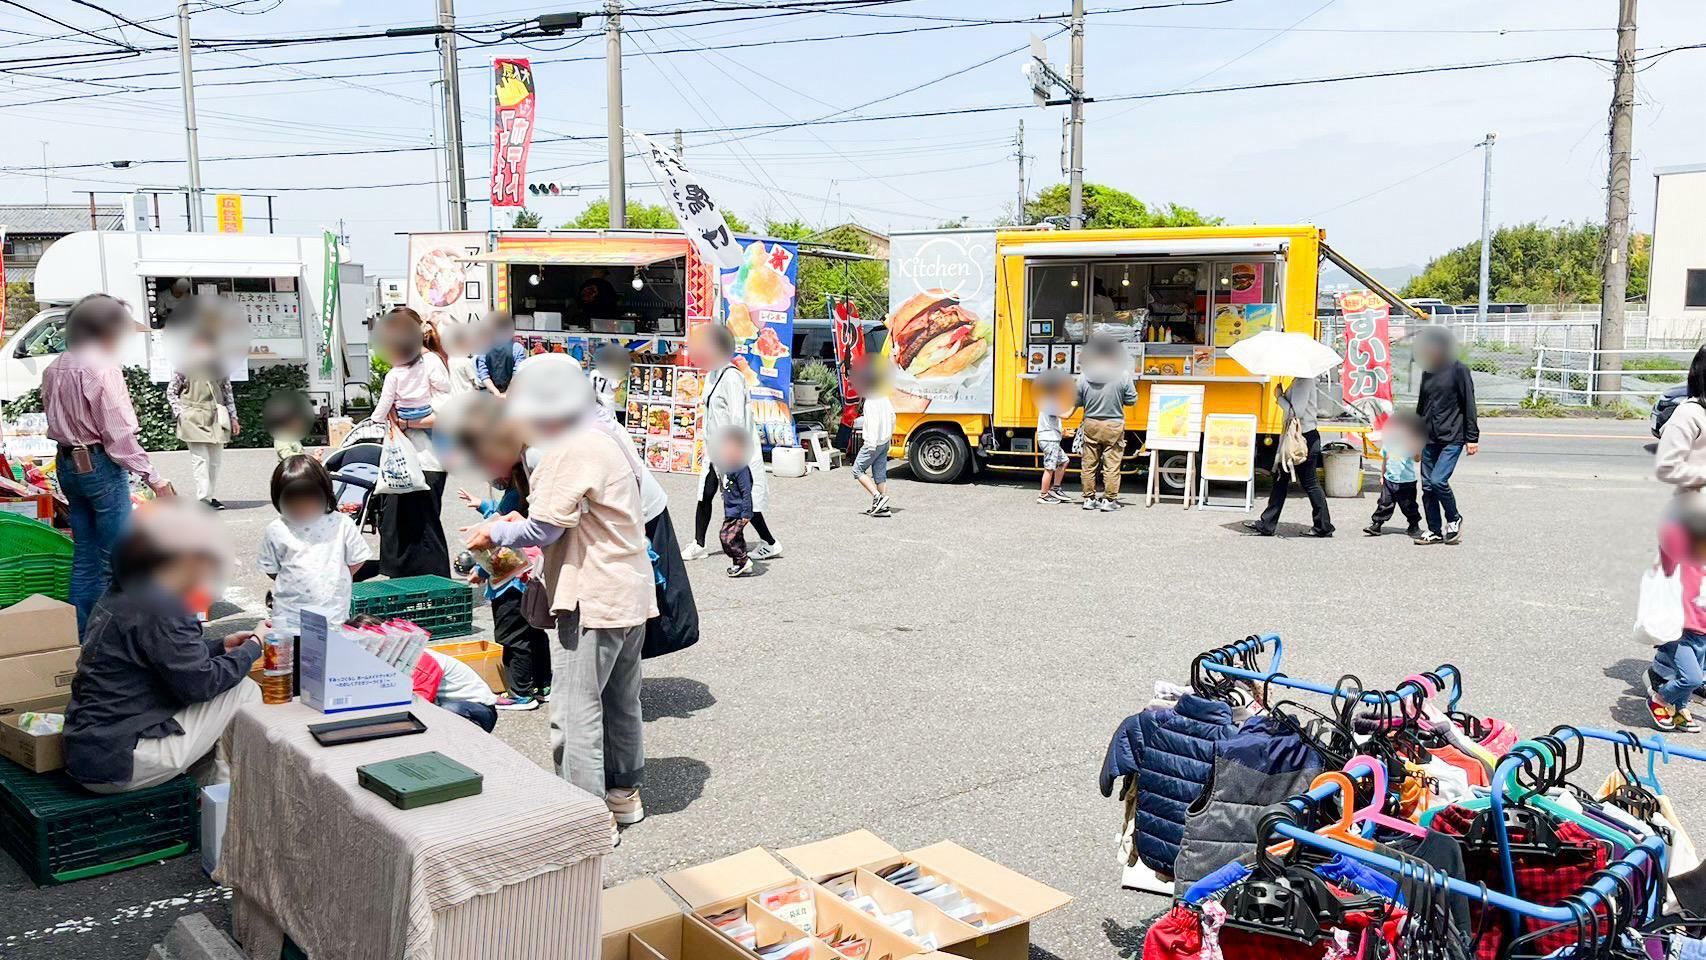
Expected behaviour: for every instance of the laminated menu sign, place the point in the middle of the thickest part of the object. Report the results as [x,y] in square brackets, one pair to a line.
[1175,416]
[1229,447]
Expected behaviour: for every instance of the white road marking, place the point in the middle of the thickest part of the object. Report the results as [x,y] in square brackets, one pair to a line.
[124,915]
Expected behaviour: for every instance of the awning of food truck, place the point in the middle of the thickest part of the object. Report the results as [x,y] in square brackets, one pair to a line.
[218,268]
[1157,248]
[591,255]
[1362,276]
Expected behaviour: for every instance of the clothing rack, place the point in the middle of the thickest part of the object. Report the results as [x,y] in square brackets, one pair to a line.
[1649,854]
[1220,661]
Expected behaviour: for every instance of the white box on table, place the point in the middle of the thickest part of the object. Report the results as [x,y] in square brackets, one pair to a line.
[338,675]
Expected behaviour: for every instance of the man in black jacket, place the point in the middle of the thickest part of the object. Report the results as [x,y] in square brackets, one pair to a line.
[152,695]
[1446,404]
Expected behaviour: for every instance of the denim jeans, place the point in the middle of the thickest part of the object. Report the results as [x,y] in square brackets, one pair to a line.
[481,715]
[1439,460]
[1679,664]
[99,504]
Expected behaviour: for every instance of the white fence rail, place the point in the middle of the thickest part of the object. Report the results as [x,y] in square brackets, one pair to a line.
[1576,374]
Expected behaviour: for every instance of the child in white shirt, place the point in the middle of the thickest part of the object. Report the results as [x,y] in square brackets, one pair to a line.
[311,550]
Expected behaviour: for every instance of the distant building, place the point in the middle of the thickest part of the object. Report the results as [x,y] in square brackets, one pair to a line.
[878,242]
[1676,287]
[32,227]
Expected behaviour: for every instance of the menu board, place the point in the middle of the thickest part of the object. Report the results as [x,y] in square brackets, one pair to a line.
[662,414]
[1241,321]
[271,316]
[1229,447]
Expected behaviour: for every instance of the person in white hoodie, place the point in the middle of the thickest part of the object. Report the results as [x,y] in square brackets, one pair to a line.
[1681,458]
[725,404]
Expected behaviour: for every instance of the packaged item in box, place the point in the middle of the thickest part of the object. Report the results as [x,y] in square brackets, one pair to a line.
[794,905]
[41,724]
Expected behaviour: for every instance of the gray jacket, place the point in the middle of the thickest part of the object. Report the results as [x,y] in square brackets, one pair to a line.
[1299,401]
[1105,401]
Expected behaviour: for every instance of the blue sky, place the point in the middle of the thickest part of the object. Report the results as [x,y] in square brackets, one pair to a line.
[1386,166]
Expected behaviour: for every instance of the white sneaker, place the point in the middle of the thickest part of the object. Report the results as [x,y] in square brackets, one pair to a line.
[766,551]
[1089,504]
[741,569]
[625,805]
[694,552]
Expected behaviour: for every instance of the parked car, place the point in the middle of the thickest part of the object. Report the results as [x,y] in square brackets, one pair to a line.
[814,339]
[1666,405]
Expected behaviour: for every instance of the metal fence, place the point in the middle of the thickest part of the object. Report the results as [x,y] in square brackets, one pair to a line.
[1574,376]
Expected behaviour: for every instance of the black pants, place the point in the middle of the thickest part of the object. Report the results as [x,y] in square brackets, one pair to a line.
[708,499]
[411,532]
[1311,481]
[1397,496]
[526,648]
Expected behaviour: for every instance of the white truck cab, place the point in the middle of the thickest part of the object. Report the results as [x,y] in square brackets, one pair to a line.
[279,282]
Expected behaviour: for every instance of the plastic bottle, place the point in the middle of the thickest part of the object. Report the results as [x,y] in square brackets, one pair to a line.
[278,654]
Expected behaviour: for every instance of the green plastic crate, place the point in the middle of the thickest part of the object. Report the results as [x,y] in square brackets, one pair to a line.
[59,832]
[22,536]
[444,608]
[21,576]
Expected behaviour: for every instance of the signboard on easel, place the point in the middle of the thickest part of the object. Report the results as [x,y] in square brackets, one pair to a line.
[1228,456]
[1175,423]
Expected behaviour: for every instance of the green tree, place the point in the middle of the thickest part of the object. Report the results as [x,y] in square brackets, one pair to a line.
[21,305]
[866,281]
[641,216]
[1106,206]
[1531,263]
[526,219]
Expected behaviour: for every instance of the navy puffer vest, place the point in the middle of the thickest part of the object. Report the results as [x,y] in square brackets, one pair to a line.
[1177,759]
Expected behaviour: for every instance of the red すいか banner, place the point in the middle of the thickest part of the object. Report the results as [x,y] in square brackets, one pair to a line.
[512,130]
[1367,371]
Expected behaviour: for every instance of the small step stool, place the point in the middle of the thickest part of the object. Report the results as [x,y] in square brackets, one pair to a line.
[821,455]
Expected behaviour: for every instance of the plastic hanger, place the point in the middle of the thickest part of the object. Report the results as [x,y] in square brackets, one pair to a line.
[1532,796]
[1374,812]
[1344,829]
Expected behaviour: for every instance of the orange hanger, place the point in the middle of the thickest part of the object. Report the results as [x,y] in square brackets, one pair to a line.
[1344,830]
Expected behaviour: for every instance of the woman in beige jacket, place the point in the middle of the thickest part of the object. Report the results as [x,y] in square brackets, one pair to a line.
[1681,460]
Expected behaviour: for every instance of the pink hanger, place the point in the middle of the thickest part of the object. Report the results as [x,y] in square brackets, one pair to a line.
[1372,813]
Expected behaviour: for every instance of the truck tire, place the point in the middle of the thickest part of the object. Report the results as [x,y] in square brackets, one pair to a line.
[938,455]
[1171,467]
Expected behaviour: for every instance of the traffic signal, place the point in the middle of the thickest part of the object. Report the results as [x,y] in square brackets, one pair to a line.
[551,189]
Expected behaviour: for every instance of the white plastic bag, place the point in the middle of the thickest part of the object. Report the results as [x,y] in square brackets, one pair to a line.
[399,466]
[1658,611]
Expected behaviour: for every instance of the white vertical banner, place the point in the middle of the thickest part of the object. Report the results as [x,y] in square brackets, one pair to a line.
[694,207]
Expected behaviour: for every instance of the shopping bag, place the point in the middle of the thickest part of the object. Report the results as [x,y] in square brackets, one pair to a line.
[1658,610]
[1293,449]
[399,466]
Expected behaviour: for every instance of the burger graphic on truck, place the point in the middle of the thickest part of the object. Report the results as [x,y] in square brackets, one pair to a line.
[933,336]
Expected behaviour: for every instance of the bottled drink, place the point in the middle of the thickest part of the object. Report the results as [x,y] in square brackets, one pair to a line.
[278,670]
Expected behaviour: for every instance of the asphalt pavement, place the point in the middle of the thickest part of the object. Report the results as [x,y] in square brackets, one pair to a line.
[954,671]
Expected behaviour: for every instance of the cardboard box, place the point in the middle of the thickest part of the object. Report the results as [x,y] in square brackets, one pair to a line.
[37,623]
[732,882]
[338,675]
[35,679]
[37,754]
[643,922]
[485,656]
[1011,900]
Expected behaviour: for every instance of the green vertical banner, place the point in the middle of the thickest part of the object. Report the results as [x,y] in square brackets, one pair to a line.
[328,303]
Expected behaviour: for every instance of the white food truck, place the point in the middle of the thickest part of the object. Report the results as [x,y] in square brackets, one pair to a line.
[277,281]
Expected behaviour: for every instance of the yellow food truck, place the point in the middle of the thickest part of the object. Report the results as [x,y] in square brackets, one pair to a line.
[976,314]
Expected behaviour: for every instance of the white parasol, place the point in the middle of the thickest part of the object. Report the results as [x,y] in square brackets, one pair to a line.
[1274,354]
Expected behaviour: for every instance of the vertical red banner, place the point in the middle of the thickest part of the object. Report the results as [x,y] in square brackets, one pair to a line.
[512,130]
[1367,371]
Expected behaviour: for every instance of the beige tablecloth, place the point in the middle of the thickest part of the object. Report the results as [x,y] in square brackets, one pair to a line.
[310,852]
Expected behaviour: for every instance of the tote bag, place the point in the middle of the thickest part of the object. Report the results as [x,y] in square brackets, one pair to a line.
[399,466]
[1658,611]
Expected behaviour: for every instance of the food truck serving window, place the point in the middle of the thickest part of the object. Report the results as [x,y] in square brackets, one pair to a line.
[642,299]
[1165,304]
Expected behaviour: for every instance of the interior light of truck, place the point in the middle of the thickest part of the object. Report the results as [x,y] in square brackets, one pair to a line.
[533,279]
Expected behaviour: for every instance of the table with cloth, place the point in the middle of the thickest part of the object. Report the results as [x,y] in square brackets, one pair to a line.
[514,872]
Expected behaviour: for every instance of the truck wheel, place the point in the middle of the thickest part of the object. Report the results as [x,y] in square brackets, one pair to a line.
[1172,470]
[938,455]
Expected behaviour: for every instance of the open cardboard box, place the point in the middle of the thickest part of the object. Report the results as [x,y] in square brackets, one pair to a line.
[37,754]
[734,882]
[643,922]
[1010,899]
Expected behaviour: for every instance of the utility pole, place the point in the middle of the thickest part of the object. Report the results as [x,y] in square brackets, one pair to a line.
[1076,177]
[1019,154]
[458,181]
[1614,287]
[44,186]
[680,151]
[186,77]
[617,140]
[1486,224]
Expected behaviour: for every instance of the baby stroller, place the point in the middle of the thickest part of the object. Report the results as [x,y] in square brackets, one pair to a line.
[354,467]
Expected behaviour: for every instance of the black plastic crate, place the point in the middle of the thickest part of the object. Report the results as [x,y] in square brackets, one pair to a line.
[59,832]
